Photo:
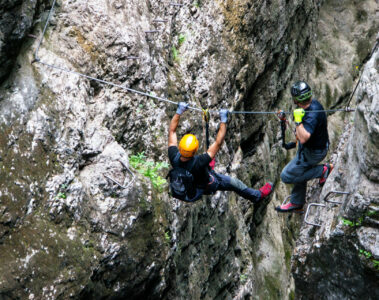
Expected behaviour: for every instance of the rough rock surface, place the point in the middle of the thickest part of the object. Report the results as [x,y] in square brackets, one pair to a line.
[67,230]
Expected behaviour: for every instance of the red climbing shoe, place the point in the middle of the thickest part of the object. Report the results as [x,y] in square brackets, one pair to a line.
[212,164]
[289,207]
[266,189]
[325,173]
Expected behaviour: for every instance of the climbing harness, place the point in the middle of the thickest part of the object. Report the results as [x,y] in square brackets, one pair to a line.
[323,205]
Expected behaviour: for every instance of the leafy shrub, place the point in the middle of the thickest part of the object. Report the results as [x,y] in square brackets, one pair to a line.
[149,169]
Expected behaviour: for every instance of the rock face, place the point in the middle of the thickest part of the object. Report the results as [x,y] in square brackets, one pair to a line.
[348,236]
[16,20]
[77,216]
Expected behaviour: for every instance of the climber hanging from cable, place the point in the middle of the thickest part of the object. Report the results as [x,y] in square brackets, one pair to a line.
[313,144]
[191,177]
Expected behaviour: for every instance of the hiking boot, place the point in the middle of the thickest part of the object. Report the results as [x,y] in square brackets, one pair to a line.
[266,189]
[289,207]
[325,173]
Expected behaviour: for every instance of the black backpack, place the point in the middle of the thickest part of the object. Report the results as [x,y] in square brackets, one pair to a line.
[182,184]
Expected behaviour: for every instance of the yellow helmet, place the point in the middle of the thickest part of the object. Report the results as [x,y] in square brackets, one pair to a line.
[188,145]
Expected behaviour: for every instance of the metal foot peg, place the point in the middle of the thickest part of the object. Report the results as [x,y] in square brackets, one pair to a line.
[323,205]
[306,214]
[334,192]
[125,180]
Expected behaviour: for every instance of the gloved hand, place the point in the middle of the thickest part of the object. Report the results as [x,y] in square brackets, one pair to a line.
[298,115]
[182,107]
[224,115]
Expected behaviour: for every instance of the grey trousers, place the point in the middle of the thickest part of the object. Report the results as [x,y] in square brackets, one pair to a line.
[225,183]
[303,167]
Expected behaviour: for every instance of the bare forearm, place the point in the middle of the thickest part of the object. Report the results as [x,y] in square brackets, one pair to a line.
[172,138]
[302,134]
[221,134]
[215,147]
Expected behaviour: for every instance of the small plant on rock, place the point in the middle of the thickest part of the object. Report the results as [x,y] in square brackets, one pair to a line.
[351,223]
[149,169]
[175,53]
[365,253]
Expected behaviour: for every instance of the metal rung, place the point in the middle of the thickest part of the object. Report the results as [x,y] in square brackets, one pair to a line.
[323,205]
[152,31]
[119,184]
[306,214]
[132,57]
[334,192]
[160,21]
[176,4]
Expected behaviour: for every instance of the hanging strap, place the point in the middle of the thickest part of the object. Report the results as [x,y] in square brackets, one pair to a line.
[206,117]
[283,125]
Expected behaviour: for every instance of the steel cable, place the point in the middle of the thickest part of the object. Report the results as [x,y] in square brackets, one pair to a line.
[38,60]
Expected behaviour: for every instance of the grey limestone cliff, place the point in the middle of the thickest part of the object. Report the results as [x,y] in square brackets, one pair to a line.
[67,230]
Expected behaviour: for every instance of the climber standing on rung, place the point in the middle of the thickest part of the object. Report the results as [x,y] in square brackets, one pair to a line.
[312,134]
[191,176]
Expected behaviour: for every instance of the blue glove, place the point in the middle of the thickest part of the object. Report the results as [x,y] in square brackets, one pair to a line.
[224,115]
[182,107]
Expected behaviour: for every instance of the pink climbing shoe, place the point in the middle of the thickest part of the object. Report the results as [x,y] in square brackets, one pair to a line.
[212,164]
[289,207]
[325,173]
[266,190]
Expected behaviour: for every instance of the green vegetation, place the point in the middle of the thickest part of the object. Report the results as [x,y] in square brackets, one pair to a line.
[62,192]
[372,213]
[175,53]
[352,223]
[181,39]
[359,222]
[62,195]
[175,50]
[196,3]
[369,256]
[243,278]
[291,296]
[167,236]
[149,169]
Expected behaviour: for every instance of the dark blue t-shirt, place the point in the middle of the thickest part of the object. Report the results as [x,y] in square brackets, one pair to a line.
[317,125]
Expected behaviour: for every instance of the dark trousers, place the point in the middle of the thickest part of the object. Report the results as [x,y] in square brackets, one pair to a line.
[303,167]
[219,182]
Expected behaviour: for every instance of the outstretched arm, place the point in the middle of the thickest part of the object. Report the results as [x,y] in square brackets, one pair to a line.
[215,147]
[172,138]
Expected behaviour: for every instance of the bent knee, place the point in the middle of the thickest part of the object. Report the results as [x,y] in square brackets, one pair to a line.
[286,178]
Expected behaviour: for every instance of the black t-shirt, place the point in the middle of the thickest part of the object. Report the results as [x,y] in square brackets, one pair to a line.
[199,170]
[316,124]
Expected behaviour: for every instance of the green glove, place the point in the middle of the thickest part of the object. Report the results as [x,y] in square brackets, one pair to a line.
[298,115]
